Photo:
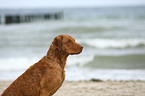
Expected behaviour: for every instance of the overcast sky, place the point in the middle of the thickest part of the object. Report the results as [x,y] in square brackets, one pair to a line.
[66,3]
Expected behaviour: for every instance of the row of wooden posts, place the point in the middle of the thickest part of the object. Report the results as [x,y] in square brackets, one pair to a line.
[20,18]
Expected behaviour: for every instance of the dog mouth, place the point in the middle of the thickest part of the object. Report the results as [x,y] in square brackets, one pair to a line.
[79,52]
[76,53]
[81,49]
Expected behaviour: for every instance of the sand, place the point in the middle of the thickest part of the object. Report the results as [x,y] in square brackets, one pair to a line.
[89,88]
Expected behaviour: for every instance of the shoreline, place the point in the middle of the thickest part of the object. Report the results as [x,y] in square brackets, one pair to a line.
[95,88]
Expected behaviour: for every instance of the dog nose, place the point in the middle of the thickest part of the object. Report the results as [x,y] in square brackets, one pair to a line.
[81,47]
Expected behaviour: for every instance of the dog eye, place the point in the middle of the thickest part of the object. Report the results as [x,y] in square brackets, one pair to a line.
[69,41]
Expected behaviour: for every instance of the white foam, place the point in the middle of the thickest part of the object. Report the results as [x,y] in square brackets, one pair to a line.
[22,63]
[11,68]
[113,43]
[76,73]
[79,60]
[15,64]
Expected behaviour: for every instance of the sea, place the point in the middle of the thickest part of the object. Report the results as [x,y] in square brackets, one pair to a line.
[113,39]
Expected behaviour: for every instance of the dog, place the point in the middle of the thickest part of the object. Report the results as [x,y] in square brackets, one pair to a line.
[46,76]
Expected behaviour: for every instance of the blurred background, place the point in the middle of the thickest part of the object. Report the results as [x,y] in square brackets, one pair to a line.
[111,31]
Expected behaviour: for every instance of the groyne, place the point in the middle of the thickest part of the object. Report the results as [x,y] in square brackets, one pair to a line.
[8,18]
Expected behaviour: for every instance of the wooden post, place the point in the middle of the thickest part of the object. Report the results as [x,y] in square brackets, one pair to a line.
[8,19]
[47,16]
[18,18]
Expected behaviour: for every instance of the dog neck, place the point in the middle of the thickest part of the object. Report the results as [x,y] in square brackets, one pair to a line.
[59,56]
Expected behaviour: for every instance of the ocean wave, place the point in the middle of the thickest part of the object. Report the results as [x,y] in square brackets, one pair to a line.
[93,66]
[132,61]
[79,60]
[126,61]
[15,64]
[22,63]
[113,43]
[75,74]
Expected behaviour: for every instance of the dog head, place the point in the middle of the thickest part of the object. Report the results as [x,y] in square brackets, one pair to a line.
[67,45]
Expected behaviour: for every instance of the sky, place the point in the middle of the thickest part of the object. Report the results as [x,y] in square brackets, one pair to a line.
[67,3]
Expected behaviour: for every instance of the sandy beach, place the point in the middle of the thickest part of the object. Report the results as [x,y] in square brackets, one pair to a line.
[89,88]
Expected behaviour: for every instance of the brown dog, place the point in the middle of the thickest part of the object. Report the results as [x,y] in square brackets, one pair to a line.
[46,76]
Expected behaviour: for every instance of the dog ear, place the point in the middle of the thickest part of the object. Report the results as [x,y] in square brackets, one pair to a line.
[58,43]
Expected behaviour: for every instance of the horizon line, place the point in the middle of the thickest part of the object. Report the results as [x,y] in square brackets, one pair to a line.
[93,6]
